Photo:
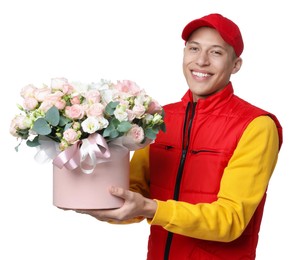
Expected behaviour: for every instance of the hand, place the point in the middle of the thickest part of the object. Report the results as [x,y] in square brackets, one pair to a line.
[135,206]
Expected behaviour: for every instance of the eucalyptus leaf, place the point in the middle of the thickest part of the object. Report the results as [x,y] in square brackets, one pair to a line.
[63,120]
[16,148]
[111,107]
[150,133]
[108,130]
[41,127]
[33,143]
[111,131]
[114,122]
[23,133]
[52,116]
[114,134]
[67,126]
[124,127]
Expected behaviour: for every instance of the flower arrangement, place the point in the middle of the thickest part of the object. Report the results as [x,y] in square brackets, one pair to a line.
[66,113]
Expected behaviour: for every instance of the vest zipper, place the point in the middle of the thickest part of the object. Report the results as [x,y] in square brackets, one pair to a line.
[189,116]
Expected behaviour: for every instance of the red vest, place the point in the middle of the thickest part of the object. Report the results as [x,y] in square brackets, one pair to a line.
[187,164]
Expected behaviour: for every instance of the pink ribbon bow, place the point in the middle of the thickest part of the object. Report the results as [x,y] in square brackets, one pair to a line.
[84,152]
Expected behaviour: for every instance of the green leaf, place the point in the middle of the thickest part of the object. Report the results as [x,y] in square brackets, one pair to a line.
[113,124]
[111,131]
[108,130]
[110,107]
[41,127]
[16,148]
[33,143]
[114,104]
[52,116]
[67,126]
[63,120]
[151,133]
[124,127]
[114,134]
[23,133]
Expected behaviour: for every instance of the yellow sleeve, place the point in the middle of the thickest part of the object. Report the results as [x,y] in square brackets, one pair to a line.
[139,172]
[139,179]
[243,185]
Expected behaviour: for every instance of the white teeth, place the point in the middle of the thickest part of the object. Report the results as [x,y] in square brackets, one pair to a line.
[200,75]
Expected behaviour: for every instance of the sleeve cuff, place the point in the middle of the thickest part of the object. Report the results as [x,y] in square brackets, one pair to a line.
[164,209]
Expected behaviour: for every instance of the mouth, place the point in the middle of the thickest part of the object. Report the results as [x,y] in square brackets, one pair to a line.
[201,74]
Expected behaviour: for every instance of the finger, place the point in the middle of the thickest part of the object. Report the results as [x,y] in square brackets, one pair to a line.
[92,214]
[82,211]
[120,192]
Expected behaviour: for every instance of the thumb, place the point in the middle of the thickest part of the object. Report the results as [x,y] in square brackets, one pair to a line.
[119,192]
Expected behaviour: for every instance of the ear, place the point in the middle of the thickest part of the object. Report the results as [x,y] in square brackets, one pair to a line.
[237,65]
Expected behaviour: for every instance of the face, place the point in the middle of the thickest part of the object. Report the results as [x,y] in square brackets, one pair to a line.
[208,62]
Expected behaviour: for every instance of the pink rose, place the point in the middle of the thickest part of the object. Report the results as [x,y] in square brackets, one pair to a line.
[92,96]
[67,89]
[60,103]
[46,105]
[28,91]
[42,93]
[130,114]
[71,136]
[19,122]
[75,100]
[128,86]
[95,110]
[30,103]
[54,99]
[75,111]
[133,139]
[138,111]
[154,107]
[136,133]
[62,85]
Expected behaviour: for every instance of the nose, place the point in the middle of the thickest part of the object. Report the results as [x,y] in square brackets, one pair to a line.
[202,59]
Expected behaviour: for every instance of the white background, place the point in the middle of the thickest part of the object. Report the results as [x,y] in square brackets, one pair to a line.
[137,40]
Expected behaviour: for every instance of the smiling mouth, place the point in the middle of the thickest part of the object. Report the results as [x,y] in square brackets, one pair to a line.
[200,74]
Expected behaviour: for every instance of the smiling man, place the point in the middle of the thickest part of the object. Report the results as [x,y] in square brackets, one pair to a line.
[202,184]
[208,62]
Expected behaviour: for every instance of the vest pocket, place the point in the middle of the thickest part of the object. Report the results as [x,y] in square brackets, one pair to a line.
[164,162]
[203,171]
[204,151]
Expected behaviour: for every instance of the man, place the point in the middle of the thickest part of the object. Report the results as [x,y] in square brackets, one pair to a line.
[202,184]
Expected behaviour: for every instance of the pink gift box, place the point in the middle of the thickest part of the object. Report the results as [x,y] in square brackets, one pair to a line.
[74,189]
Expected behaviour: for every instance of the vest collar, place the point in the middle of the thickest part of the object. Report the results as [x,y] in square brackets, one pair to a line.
[212,102]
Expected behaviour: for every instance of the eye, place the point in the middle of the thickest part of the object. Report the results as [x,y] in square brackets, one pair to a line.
[216,52]
[192,48]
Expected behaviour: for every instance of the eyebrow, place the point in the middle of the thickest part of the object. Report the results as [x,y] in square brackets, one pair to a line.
[211,46]
[192,42]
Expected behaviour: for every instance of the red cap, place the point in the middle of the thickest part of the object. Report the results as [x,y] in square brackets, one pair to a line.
[227,29]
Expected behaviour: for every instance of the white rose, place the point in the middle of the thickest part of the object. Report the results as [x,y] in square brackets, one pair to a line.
[90,125]
[121,114]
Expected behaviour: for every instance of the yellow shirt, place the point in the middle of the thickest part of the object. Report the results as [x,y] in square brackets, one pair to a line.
[243,185]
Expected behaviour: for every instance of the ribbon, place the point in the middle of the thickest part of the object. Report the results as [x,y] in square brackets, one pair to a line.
[47,150]
[85,153]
